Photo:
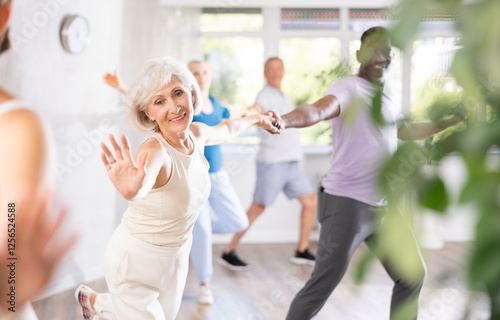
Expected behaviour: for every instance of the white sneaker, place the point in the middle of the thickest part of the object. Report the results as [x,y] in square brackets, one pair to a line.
[206,296]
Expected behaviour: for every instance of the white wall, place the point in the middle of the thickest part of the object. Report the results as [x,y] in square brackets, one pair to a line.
[151,30]
[68,91]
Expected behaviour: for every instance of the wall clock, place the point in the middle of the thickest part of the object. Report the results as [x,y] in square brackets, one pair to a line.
[75,34]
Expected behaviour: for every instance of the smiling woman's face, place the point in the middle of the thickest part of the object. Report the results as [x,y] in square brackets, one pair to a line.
[171,108]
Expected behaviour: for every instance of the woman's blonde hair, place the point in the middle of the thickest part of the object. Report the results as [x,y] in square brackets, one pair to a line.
[157,74]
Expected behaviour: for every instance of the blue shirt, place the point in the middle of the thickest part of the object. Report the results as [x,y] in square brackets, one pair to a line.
[213,153]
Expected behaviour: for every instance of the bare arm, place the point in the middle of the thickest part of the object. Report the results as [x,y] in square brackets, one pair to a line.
[308,114]
[134,178]
[23,157]
[255,109]
[229,129]
[418,131]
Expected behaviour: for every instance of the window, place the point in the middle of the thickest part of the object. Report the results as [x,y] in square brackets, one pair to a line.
[306,60]
[430,78]
[363,19]
[233,47]
[317,47]
[231,20]
[236,65]
[431,81]
[310,19]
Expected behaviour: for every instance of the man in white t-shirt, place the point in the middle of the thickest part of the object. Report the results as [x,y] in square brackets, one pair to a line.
[278,169]
[350,200]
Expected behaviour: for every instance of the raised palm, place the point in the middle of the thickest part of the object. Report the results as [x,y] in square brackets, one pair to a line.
[112,80]
[126,176]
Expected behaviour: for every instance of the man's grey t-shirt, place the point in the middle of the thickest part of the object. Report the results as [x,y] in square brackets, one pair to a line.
[273,147]
[359,146]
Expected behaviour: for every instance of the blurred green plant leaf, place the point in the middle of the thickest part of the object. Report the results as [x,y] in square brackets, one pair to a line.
[401,171]
[396,245]
[445,146]
[432,194]
[376,110]
[484,264]
[362,266]
[411,13]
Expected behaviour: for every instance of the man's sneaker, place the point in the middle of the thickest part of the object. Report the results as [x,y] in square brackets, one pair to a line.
[82,295]
[206,296]
[233,262]
[304,257]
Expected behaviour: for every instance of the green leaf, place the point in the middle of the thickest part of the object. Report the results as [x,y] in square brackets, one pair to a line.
[484,266]
[411,14]
[440,108]
[445,146]
[432,194]
[401,171]
[396,245]
[377,115]
[362,266]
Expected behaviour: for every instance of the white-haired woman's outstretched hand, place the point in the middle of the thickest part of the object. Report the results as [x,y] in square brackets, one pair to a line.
[126,176]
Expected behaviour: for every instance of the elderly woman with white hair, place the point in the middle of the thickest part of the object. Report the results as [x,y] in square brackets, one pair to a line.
[167,184]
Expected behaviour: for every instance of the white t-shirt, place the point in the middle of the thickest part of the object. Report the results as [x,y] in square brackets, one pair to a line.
[359,145]
[273,147]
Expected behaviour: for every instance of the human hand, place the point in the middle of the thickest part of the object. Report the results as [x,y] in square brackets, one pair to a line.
[38,247]
[126,176]
[278,122]
[267,122]
[113,80]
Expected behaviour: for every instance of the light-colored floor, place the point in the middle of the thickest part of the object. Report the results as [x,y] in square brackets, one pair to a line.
[266,291]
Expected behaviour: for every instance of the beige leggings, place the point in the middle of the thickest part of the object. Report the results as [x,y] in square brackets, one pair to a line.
[145,281]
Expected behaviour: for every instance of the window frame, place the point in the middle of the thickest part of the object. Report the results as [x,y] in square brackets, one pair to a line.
[272,33]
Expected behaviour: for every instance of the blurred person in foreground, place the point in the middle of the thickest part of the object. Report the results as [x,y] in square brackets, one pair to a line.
[29,248]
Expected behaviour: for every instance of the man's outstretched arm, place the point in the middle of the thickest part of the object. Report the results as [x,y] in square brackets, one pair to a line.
[418,131]
[306,115]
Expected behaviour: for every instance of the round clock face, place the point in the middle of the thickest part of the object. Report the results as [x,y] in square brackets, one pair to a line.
[75,34]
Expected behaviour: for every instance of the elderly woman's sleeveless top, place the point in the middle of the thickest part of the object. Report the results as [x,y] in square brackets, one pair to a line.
[166,215]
